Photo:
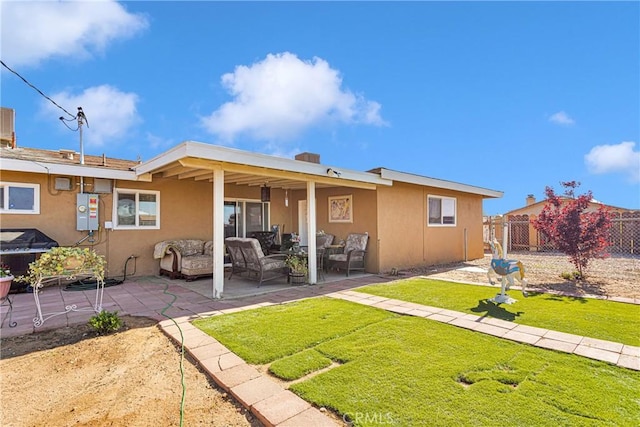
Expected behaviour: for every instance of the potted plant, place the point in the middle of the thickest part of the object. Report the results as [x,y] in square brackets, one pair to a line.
[64,261]
[6,278]
[298,268]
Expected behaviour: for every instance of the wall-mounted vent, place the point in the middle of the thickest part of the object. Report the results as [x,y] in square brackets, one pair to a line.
[101,185]
[63,183]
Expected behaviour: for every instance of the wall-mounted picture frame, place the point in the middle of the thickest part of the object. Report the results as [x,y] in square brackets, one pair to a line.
[341,208]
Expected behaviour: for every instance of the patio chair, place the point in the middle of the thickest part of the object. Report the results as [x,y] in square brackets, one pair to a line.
[324,240]
[267,240]
[352,256]
[253,261]
[238,264]
[286,242]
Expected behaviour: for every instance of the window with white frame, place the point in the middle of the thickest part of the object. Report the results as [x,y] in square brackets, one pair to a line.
[242,217]
[441,211]
[19,198]
[136,209]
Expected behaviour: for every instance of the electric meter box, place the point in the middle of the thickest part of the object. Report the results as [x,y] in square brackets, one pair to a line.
[87,212]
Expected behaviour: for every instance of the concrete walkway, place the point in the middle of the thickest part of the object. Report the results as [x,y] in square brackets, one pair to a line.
[157,298]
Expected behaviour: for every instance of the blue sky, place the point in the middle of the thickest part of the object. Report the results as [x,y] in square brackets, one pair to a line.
[510,96]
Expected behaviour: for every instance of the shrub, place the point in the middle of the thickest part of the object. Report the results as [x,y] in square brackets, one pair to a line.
[574,275]
[106,322]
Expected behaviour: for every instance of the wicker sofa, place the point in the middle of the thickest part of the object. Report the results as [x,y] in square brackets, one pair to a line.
[186,259]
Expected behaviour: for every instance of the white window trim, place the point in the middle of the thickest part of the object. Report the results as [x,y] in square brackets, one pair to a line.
[137,192]
[36,198]
[455,211]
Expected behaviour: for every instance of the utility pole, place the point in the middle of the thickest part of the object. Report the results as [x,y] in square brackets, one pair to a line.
[81,120]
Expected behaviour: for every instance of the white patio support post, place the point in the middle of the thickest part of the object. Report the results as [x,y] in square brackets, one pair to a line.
[311,232]
[218,232]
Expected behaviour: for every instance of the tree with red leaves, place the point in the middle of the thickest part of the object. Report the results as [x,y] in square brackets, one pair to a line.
[581,235]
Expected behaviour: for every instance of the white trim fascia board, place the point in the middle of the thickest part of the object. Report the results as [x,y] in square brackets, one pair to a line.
[232,155]
[72,170]
[172,155]
[438,183]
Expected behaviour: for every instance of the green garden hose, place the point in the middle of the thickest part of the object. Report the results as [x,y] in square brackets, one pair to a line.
[184,389]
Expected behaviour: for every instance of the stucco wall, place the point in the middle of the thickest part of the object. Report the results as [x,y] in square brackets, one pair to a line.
[394,217]
[364,217]
[406,240]
[186,208]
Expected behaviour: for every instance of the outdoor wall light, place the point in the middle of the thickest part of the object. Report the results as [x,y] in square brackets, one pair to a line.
[265,194]
[333,172]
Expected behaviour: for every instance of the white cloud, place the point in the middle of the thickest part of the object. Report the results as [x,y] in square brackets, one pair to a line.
[282,95]
[34,31]
[110,113]
[561,118]
[615,158]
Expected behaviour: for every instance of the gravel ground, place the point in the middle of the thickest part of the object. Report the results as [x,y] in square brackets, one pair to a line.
[616,276]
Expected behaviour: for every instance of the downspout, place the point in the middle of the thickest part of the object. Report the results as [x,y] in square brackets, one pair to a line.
[466,239]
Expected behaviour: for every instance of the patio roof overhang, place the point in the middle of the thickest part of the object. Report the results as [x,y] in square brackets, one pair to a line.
[438,183]
[198,161]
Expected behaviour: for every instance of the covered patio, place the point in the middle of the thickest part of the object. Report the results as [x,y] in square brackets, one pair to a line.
[236,174]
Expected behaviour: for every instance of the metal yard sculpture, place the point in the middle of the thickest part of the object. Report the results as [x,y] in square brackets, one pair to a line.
[507,270]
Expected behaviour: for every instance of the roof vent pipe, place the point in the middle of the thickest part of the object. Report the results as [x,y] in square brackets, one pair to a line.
[67,154]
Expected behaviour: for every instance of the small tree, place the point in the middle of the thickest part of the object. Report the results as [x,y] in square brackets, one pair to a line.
[581,235]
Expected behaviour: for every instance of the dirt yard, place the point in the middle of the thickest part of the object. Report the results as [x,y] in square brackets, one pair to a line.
[612,277]
[71,377]
[132,378]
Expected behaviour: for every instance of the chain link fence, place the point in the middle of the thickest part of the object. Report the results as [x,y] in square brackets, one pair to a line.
[624,237]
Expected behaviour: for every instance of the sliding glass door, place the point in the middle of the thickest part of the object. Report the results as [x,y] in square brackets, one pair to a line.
[242,217]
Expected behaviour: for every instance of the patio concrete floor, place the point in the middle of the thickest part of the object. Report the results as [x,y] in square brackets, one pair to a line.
[149,296]
[174,303]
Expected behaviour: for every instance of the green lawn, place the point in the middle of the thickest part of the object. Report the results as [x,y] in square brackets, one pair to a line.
[408,371]
[262,336]
[607,320]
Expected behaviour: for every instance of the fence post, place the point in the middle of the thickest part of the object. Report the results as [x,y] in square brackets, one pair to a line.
[505,238]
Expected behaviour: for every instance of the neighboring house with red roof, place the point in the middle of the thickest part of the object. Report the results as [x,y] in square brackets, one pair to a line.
[625,236]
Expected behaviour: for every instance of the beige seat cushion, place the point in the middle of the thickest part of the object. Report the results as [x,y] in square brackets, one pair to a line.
[197,264]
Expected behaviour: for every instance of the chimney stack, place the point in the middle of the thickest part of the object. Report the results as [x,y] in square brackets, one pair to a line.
[308,157]
[7,127]
[530,199]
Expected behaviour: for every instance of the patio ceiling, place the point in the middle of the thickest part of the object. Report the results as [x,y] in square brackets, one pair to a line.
[197,161]
[202,170]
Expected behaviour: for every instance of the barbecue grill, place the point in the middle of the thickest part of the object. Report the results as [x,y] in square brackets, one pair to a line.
[19,247]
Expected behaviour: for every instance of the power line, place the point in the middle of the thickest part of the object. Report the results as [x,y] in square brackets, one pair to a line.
[36,89]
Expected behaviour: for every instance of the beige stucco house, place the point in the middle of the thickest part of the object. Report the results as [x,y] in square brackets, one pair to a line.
[194,189]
